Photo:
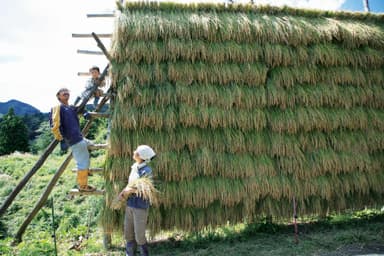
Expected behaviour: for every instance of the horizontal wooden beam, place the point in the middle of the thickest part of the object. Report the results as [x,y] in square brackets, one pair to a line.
[98,114]
[97,146]
[92,170]
[90,52]
[101,15]
[76,192]
[83,74]
[90,35]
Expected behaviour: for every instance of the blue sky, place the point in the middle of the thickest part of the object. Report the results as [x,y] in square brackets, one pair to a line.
[38,54]
[357,5]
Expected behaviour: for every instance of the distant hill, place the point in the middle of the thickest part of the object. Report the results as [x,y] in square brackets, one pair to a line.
[20,108]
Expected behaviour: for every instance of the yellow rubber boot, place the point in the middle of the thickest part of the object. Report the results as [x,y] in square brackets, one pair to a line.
[82,181]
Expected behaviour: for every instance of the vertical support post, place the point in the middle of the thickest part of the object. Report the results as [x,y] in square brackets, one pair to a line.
[107,240]
[366,5]
[295,221]
[53,226]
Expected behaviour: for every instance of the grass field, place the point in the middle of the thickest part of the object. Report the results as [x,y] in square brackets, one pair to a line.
[357,233]
[338,235]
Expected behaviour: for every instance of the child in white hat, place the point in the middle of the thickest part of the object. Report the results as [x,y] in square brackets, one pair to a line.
[136,211]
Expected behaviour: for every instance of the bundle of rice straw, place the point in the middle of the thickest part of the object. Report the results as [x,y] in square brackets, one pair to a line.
[142,187]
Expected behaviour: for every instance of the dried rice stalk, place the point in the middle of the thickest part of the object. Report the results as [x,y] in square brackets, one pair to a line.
[267,104]
[142,187]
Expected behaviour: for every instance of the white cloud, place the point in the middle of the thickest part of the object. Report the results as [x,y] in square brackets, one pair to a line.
[309,4]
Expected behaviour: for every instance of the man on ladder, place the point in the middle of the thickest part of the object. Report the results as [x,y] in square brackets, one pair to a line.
[65,125]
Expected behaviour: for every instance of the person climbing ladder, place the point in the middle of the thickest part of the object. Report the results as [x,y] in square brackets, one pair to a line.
[65,125]
[90,89]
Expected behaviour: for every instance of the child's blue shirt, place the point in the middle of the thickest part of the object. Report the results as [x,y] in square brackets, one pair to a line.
[136,201]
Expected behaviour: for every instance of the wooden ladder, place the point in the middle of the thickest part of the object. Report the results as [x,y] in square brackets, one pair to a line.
[63,166]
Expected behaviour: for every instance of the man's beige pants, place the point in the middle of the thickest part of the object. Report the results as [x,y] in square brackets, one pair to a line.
[135,224]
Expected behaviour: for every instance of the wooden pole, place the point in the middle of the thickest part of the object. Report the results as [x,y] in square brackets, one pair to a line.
[366,5]
[89,52]
[83,73]
[76,192]
[98,114]
[107,237]
[97,146]
[78,35]
[45,155]
[101,15]
[42,200]
[53,181]
[107,240]
[27,177]
[92,170]
[101,46]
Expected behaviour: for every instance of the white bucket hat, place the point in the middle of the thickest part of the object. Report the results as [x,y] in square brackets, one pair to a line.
[145,152]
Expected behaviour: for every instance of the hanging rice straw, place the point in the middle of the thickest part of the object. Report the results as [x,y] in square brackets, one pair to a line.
[142,187]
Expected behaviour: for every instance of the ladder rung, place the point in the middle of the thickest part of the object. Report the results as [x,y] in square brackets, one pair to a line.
[77,35]
[90,52]
[106,94]
[98,114]
[101,15]
[76,192]
[83,73]
[92,170]
[97,146]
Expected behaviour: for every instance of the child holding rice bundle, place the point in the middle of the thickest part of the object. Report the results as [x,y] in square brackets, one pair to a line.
[139,193]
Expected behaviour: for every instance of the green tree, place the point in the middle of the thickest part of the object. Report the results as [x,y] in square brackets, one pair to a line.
[33,123]
[43,139]
[13,134]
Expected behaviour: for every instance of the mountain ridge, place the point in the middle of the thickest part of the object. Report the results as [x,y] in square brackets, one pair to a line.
[19,107]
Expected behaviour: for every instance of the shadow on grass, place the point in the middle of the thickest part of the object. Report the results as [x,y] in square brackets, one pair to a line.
[333,227]
[355,233]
